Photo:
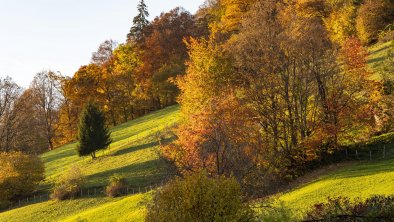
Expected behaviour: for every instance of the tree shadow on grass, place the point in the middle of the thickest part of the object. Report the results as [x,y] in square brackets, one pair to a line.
[60,153]
[376,60]
[140,174]
[381,49]
[364,168]
[135,148]
[142,146]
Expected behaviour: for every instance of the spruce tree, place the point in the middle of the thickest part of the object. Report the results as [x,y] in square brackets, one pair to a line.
[140,22]
[93,134]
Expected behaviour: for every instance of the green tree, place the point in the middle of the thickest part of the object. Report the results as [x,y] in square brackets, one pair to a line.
[199,198]
[140,22]
[93,134]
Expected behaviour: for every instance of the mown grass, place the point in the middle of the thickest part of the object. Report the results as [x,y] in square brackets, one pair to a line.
[131,208]
[132,154]
[360,180]
[377,55]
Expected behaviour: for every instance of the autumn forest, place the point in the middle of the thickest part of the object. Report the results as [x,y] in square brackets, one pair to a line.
[269,91]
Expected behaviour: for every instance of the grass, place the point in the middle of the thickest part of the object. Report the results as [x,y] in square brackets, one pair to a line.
[129,208]
[377,55]
[132,154]
[362,179]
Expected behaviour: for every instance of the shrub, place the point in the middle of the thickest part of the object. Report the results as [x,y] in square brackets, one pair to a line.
[376,208]
[373,17]
[117,186]
[68,185]
[199,198]
[274,214]
[20,175]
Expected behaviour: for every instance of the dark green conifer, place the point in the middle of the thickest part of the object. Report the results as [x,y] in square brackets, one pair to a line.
[140,22]
[93,134]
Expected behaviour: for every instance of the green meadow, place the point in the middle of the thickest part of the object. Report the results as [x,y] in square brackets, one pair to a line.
[132,154]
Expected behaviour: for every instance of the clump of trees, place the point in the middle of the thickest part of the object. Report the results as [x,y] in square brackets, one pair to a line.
[199,198]
[93,135]
[20,175]
[269,94]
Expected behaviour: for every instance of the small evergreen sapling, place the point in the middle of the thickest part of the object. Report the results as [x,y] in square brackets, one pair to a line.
[93,134]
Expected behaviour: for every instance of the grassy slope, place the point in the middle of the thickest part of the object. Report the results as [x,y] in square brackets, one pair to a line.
[132,154]
[129,208]
[378,53]
[361,179]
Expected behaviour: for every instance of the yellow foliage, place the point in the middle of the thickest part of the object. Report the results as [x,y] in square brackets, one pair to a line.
[230,13]
[341,24]
[19,176]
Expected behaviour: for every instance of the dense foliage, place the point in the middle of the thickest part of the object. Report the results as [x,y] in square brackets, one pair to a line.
[376,208]
[199,198]
[19,176]
[268,92]
[93,134]
[266,88]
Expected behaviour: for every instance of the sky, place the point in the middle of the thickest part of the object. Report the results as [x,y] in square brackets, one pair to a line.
[60,35]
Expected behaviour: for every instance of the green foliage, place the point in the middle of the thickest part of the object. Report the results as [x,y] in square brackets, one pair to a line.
[372,18]
[375,208]
[19,176]
[68,185]
[117,186]
[93,134]
[140,22]
[274,213]
[199,198]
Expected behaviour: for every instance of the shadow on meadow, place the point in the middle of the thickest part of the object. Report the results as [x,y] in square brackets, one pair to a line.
[139,174]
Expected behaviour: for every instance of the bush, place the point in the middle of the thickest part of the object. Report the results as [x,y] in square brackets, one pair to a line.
[117,186]
[20,175]
[274,214]
[199,198]
[68,185]
[376,208]
[373,17]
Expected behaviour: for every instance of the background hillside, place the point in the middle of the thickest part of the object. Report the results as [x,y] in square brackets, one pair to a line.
[133,154]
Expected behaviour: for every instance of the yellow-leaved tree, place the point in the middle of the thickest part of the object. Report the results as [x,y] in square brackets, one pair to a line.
[19,176]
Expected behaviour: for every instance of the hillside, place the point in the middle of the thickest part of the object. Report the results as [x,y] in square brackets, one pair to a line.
[132,155]
[354,179]
[360,179]
[377,55]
